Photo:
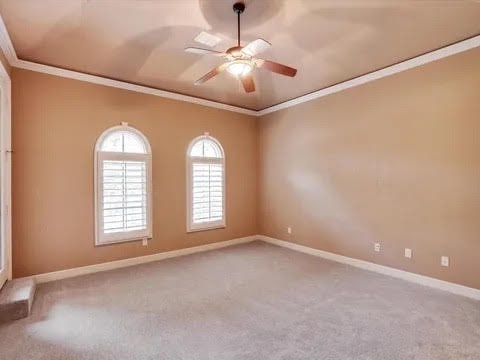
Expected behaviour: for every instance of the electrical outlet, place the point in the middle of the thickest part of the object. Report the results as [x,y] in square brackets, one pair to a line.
[289,230]
[445,261]
[145,242]
[376,248]
[408,253]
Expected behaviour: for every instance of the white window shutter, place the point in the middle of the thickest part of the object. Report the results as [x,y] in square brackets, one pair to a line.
[205,184]
[124,202]
[207,192]
[123,184]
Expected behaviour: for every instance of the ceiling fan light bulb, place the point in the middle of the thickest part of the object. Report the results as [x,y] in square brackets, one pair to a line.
[239,68]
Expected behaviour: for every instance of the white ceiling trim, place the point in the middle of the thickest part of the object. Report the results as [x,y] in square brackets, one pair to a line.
[52,70]
[9,51]
[11,55]
[6,44]
[378,74]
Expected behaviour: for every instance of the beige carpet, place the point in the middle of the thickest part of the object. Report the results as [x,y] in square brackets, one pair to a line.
[252,301]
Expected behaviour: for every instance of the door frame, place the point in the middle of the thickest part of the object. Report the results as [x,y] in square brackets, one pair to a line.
[5,174]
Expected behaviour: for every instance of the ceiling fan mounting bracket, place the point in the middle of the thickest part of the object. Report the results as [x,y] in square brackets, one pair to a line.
[239,7]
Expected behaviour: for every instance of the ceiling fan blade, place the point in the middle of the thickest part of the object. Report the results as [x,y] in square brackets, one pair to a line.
[201,51]
[211,74]
[276,67]
[247,82]
[256,47]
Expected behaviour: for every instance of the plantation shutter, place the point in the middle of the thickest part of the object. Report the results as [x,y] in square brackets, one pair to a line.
[123,186]
[207,192]
[205,184]
[124,201]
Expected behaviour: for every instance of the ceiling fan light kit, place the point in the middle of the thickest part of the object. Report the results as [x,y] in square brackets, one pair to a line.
[240,67]
[242,60]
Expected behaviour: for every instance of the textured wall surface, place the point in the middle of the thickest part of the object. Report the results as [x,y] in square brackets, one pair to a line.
[395,161]
[56,123]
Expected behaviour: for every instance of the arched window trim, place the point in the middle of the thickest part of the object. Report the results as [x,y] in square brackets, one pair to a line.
[206,136]
[123,127]
[99,156]
[190,160]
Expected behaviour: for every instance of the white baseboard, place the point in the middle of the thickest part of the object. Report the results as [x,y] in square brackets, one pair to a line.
[400,274]
[90,269]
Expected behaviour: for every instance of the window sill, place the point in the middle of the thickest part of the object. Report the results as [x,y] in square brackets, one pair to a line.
[206,228]
[113,242]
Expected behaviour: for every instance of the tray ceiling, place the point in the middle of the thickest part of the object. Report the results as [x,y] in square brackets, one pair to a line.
[142,41]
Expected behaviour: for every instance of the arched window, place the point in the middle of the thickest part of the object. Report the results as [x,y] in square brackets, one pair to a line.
[205,184]
[123,173]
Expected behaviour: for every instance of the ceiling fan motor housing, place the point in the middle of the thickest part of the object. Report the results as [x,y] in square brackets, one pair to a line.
[236,52]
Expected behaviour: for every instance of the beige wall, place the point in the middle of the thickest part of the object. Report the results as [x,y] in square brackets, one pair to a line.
[56,122]
[395,161]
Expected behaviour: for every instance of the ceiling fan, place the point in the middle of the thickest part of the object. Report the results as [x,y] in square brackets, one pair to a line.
[242,60]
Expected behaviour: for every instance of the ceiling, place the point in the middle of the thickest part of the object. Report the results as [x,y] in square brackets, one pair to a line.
[142,41]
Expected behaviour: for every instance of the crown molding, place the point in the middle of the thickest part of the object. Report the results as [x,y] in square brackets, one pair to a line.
[11,55]
[378,74]
[6,44]
[9,51]
[52,70]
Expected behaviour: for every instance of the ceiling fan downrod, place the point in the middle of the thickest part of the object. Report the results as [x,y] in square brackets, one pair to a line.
[239,8]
